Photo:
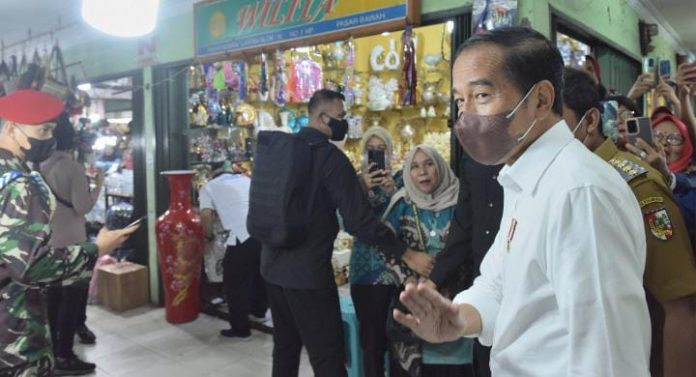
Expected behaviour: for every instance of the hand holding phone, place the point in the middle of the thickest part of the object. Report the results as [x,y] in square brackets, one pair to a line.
[136,222]
[686,74]
[639,128]
[376,159]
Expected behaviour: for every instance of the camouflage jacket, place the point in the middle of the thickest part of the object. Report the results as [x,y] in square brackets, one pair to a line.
[27,264]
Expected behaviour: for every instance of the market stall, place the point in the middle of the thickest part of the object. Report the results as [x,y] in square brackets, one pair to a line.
[259,73]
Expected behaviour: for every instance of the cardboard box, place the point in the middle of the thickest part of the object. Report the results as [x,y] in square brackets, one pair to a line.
[122,286]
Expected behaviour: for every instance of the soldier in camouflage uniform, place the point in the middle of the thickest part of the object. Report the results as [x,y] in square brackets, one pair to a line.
[27,262]
[670,269]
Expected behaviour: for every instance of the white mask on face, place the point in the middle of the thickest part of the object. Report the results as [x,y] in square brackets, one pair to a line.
[579,123]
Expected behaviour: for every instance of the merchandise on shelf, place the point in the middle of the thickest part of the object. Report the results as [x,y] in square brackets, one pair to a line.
[231,101]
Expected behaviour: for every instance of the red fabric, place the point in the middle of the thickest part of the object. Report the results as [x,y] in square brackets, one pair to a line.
[595,65]
[661,111]
[685,159]
[30,107]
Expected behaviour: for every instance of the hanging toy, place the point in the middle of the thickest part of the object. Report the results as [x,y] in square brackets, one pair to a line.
[263,81]
[392,59]
[279,80]
[349,74]
[377,52]
[307,78]
[240,68]
[231,77]
[219,81]
[410,75]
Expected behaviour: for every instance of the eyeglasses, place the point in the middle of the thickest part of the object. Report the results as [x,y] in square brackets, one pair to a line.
[675,139]
[626,115]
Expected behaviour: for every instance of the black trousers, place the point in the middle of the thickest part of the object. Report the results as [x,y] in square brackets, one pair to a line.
[309,317]
[434,370]
[482,360]
[244,289]
[372,308]
[66,312]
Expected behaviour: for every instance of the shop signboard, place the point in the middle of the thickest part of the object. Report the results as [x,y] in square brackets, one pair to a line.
[228,26]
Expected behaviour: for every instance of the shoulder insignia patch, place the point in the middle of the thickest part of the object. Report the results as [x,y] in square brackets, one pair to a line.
[628,169]
[651,200]
[660,224]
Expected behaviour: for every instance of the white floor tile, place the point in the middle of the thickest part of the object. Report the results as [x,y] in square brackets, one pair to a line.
[142,343]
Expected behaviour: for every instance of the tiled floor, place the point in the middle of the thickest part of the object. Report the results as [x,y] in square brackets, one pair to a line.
[141,343]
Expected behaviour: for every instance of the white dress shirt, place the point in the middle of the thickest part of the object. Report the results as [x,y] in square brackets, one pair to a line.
[228,195]
[561,288]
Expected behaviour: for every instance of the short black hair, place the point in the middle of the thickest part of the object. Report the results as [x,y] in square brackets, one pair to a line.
[627,103]
[529,58]
[321,97]
[580,93]
[64,133]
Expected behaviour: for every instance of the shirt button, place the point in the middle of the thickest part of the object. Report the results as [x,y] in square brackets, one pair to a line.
[488,232]
[495,177]
[490,205]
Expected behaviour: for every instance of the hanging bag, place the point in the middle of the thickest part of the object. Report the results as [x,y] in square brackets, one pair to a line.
[57,87]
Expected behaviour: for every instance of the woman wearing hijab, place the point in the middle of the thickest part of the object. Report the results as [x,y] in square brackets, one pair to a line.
[420,214]
[372,285]
[673,136]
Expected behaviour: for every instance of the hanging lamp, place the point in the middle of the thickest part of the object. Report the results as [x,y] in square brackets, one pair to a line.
[121,18]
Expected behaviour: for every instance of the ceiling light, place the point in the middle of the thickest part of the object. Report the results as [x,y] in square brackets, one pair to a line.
[85,87]
[385,34]
[121,18]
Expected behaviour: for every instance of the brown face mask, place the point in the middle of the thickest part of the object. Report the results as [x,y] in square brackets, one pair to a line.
[485,137]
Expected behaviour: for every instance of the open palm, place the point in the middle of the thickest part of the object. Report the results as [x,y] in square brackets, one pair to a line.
[433,317]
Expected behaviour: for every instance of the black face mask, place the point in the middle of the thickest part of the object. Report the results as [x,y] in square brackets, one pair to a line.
[339,128]
[39,150]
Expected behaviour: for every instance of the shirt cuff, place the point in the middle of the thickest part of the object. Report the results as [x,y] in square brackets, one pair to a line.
[90,248]
[395,249]
[488,311]
[672,181]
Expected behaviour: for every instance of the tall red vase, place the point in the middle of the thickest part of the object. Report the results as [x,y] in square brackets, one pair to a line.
[180,246]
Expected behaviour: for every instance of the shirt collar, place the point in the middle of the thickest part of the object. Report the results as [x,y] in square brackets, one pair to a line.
[10,162]
[607,150]
[312,134]
[524,174]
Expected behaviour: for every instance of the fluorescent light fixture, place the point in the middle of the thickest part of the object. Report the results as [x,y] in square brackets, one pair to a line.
[121,18]
[105,141]
[119,120]
[450,27]
[85,87]
[385,34]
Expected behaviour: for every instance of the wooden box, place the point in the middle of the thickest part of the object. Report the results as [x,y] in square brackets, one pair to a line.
[122,286]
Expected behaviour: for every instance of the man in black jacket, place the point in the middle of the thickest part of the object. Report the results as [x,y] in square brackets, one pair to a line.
[301,288]
[475,224]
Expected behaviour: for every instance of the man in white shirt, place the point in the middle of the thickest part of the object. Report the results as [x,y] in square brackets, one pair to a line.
[560,291]
[227,195]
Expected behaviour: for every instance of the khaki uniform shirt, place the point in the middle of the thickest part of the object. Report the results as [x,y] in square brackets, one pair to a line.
[670,270]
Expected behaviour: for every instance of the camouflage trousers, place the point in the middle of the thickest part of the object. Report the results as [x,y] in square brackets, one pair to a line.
[41,368]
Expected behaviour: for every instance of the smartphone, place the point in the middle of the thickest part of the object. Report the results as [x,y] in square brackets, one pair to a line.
[378,158]
[665,68]
[656,76]
[648,64]
[639,128]
[610,120]
[138,221]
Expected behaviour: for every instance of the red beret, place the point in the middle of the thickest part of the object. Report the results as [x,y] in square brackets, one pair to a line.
[30,107]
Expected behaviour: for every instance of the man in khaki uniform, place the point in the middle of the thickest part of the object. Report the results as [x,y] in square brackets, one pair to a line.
[670,271]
